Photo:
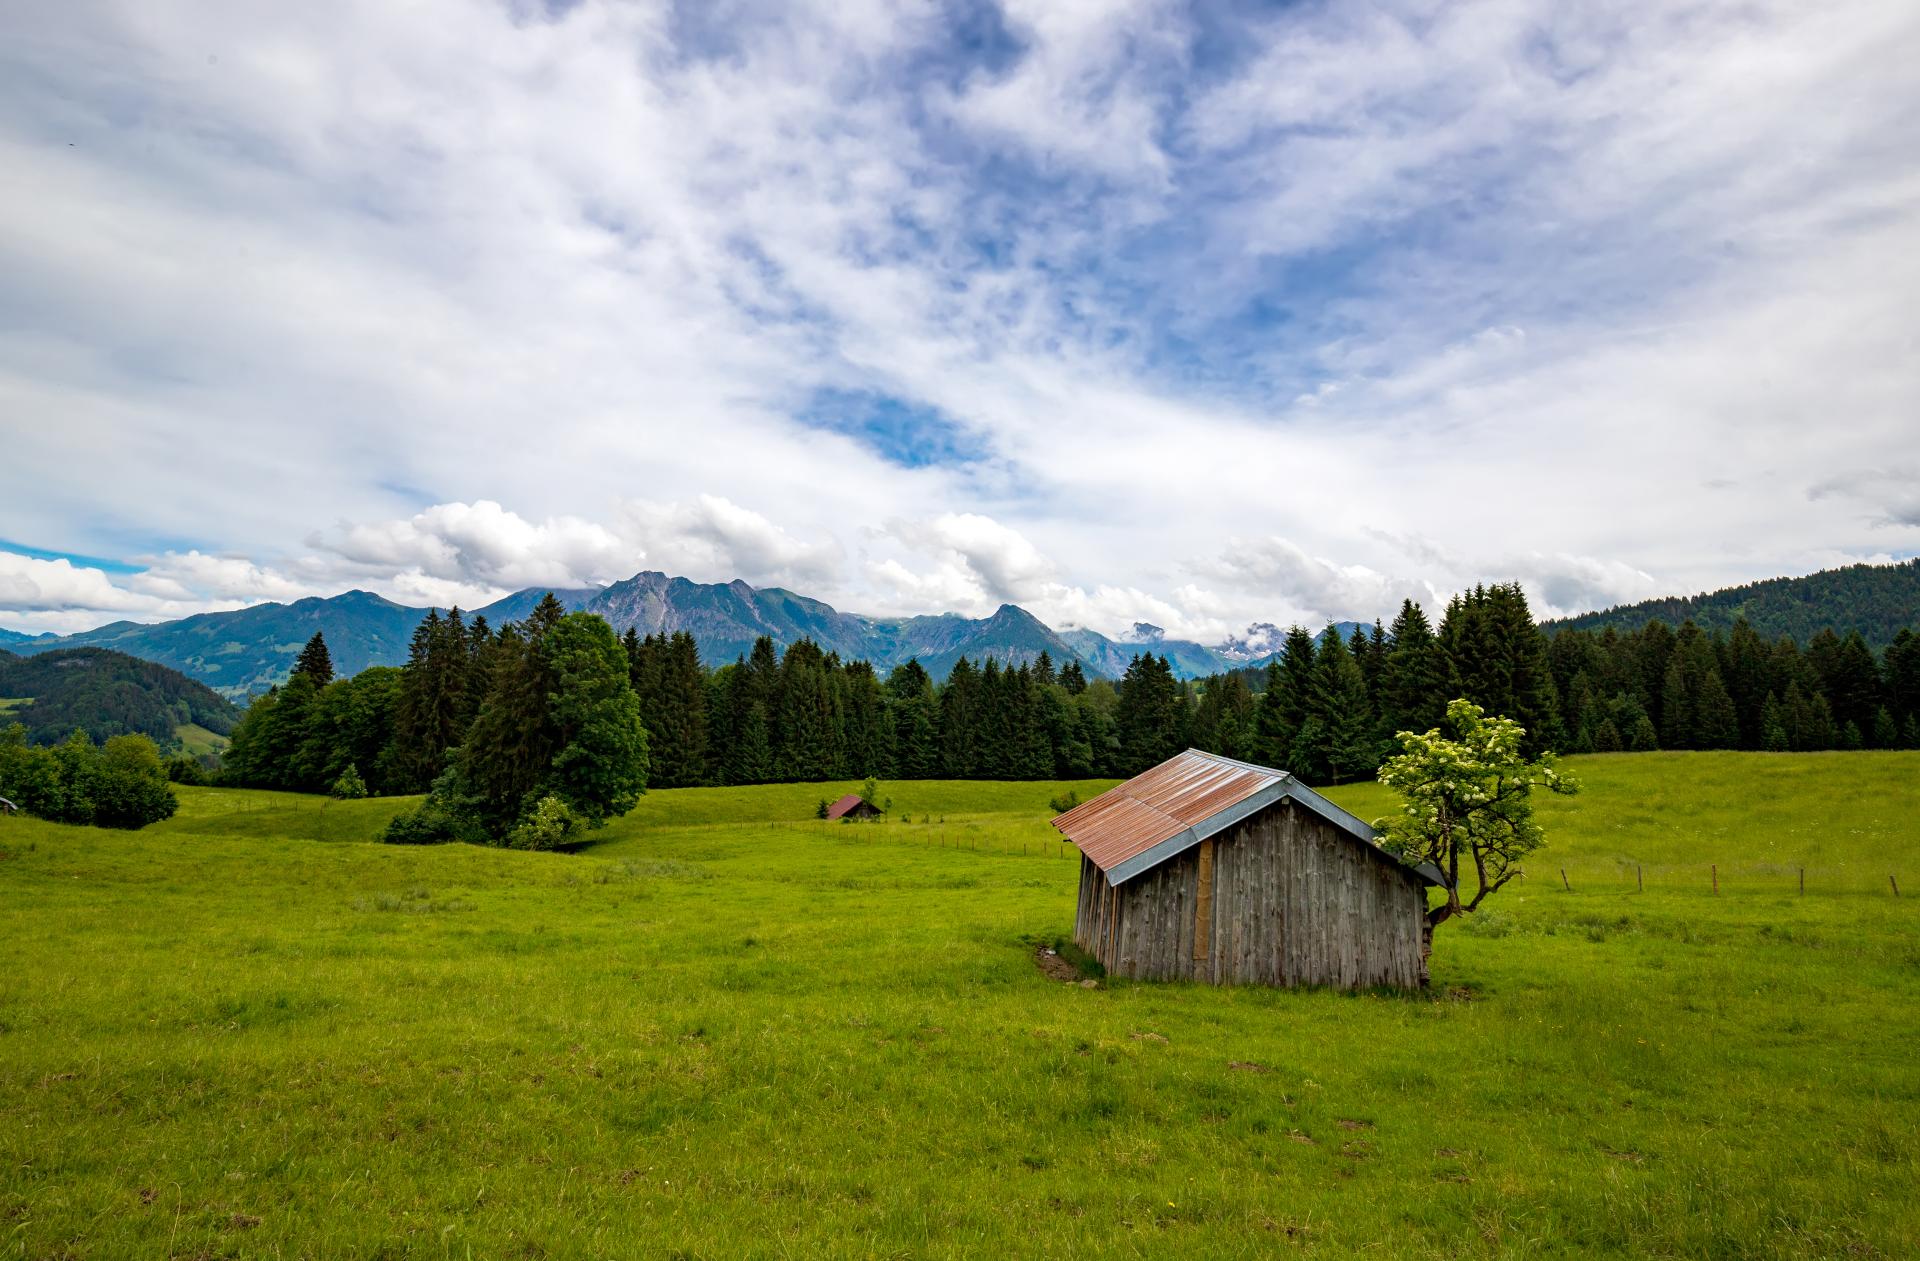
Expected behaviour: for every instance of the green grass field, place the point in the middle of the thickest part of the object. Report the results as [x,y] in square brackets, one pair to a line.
[726,1030]
[197,741]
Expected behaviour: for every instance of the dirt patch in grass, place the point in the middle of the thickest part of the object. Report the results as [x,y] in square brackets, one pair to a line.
[1058,965]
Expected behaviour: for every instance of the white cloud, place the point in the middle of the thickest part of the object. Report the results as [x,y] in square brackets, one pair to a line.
[1616,300]
[484,544]
[718,540]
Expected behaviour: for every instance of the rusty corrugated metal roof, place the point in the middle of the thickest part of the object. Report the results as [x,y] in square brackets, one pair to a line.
[1160,804]
[1136,826]
[843,805]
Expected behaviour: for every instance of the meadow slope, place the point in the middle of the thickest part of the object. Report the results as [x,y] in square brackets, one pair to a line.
[725,1030]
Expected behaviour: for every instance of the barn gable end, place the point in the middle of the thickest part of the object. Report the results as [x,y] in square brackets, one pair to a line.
[1246,878]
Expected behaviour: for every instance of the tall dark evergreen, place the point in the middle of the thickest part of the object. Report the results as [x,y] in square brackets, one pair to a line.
[1413,677]
[1497,659]
[674,709]
[1283,705]
[1149,721]
[1339,735]
[315,661]
[962,734]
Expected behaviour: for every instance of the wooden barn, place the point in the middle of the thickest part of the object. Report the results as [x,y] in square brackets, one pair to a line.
[1208,869]
[853,806]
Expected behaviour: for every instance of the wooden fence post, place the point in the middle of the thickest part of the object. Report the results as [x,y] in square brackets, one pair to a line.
[1894,883]
[1716,877]
[1563,880]
[1803,881]
[1639,878]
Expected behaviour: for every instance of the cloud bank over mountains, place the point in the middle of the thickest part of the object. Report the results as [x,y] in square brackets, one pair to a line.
[1199,316]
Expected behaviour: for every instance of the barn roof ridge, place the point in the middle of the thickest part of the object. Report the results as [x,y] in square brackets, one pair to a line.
[1142,822]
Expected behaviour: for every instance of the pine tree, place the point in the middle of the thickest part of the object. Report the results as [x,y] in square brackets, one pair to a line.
[1072,678]
[1901,676]
[1498,659]
[960,722]
[428,718]
[1853,683]
[750,757]
[676,718]
[507,751]
[1339,716]
[315,661]
[1886,733]
[1283,705]
[1773,725]
[805,748]
[1745,668]
[1148,720]
[1413,677]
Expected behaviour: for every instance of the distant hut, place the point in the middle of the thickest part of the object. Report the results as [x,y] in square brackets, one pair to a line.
[1213,870]
[853,806]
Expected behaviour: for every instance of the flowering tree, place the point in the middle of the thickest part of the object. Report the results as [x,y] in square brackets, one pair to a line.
[1467,794]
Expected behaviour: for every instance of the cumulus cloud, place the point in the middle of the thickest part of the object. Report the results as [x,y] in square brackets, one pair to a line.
[1392,299]
[1308,589]
[30,584]
[483,544]
[715,537]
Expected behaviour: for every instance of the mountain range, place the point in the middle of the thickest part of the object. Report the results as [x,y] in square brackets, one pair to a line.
[247,650]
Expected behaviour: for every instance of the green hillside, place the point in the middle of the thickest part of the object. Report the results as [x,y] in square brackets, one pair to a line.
[107,694]
[725,1030]
[1876,600]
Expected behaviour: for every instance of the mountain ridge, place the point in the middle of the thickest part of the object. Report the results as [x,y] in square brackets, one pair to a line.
[1876,600]
[247,650]
[244,651]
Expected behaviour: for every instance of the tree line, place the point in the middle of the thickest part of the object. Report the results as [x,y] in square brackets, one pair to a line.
[1328,710]
[483,702]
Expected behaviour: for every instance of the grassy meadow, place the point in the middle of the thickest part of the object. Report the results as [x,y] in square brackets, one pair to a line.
[724,1029]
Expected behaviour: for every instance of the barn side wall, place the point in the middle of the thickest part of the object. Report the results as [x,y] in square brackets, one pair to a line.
[1295,901]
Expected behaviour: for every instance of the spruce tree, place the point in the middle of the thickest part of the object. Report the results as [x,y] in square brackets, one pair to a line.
[1148,720]
[1339,717]
[1283,705]
[676,718]
[1746,670]
[1073,678]
[1900,668]
[960,722]
[1773,725]
[1413,677]
[511,744]
[315,661]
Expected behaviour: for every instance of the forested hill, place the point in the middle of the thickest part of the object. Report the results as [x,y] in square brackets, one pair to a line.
[106,693]
[1876,600]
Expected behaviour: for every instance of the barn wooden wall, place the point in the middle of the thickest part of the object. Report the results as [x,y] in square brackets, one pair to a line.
[1295,902]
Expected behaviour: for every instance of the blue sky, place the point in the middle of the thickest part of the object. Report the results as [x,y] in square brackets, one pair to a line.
[1199,315]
